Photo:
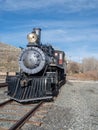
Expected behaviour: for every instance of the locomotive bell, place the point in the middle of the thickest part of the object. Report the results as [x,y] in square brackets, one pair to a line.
[32,37]
[35,36]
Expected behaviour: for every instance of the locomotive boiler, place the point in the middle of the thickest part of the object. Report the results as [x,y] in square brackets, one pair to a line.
[42,71]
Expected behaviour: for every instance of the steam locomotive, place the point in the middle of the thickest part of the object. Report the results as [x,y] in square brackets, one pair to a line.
[42,71]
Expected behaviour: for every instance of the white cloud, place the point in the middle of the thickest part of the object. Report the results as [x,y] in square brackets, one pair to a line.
[70,36]
[60,31]
[14,38]
[66,5]
[79,53]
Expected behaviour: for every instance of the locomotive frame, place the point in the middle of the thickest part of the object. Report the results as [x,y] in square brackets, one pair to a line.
[42,71]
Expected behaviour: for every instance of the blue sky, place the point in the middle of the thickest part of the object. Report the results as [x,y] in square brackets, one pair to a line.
[69,25]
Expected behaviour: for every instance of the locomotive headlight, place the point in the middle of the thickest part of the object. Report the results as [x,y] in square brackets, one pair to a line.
[32,37]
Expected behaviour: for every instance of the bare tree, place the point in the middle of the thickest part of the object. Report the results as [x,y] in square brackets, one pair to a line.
[89,64]
[73,67]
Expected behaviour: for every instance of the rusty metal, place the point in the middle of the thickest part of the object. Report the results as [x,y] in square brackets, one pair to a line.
[2,128]
[3,85]
[36,123]
[25,118]
[5,102]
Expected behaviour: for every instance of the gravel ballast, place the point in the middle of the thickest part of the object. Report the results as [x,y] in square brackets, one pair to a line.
[75,108]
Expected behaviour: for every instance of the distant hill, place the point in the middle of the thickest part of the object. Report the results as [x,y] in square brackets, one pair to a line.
[8,58]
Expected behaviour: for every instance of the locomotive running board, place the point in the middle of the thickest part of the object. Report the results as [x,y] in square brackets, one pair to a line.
[35,99]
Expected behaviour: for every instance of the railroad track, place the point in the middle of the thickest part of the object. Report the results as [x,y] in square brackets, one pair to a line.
[5,102]
[3,85]
[15,115]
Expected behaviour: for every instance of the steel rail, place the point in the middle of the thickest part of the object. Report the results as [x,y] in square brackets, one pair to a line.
[3,85]
[5,102]
[25,118]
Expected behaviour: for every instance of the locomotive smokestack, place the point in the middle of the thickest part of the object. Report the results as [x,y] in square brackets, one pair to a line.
[38,32]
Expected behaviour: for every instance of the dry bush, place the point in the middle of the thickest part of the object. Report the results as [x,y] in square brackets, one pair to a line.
[8,58]
[92,75]
[73,67]
[87,70]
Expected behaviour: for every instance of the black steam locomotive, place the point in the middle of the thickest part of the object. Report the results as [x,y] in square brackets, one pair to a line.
[42,71]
